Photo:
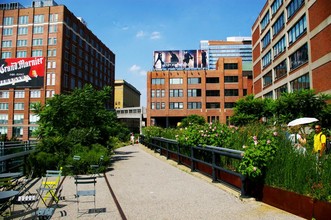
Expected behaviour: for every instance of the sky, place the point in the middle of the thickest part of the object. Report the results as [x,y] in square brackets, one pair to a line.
[134,29]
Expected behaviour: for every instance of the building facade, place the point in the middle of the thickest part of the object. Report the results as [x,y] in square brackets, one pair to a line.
[292,47]
[175,94]
[71,55]
[232,47]
[126,95]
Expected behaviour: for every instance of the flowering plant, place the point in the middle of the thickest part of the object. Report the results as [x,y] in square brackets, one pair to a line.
[257,153]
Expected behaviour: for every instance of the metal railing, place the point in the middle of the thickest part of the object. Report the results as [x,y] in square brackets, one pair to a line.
[13,154]
[216,162]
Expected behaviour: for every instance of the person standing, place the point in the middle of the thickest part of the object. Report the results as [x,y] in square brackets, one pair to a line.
[132,139]
[319,141]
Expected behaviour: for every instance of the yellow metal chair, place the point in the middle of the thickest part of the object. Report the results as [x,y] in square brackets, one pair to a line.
[49,185]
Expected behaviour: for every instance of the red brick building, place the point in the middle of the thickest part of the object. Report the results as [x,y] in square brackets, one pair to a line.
[175,94]
[73,56]
[292,47]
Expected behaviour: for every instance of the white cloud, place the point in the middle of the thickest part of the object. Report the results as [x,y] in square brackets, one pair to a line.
[140,34]
[135,69]
[155,35]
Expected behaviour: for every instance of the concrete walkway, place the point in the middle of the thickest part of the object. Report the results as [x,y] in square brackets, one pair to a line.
[147,186]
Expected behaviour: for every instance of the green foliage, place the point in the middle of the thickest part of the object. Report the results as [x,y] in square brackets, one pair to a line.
[192,120]
[79,118]
[289,106]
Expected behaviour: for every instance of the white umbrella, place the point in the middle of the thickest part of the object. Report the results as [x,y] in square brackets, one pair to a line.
[301,121]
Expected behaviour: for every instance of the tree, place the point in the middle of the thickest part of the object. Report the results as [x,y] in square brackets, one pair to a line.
[192,120]
[77,120]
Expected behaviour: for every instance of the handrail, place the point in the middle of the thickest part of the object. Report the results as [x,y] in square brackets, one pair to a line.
[200,156]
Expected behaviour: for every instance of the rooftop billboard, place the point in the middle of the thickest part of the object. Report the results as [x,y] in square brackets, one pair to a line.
[179,59]
[22,72]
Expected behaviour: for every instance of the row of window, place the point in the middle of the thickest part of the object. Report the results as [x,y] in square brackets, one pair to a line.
[18,131]
[24,43]
[299,83]
[25,30]
[33,93]
[193,92]
[291,9]
[190,105]
[24,19]
[19,118]
[195,80]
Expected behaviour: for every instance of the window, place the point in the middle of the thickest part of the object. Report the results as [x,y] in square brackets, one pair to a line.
[37,42]
[193,80]
[22,31]
[3,119]
[53,17]
[212,92]
[52,53]
[279,25]
[52,41]
[229,105]
[152,105]
[230,79]
[23,19]
[266,40]
[266,60]
[175,93]
[176,81]
[3,106]
[34,93]
[7,31]
[212,119]
[194,105]
[275,6]
[230,66]
[3,130]
[18,106]
[231,92]
[50,93]
[267,79]
[194,92]
[4,94]
[293,7]
[300,83]
[176,105]
[265,21]
[297,30]
[158,81]
[37,19]
[7,43]
[38,29]
[279,47]
[21,54]
[280,70]
[31,132]
[22,43]
[269,95]
[299,57]
[8,21]
[212,80]
[19,94]
[280,90]
[152,93]
[6,55]
[33,119]
[210,105]
[53,28]
[37,53]
[18,118]
[18,132]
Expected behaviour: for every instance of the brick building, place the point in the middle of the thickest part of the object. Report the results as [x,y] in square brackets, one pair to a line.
[292,47]
[71,57]
[174,94]
[126,95]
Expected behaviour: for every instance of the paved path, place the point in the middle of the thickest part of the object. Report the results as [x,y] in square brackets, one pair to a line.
[147,187]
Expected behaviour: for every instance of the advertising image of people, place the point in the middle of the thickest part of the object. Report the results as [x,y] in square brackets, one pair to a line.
[202,59]
[158,59]
[22,72]
[189,59]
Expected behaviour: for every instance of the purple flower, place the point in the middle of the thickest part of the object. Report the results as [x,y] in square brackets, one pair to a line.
[255,138]
[275,133]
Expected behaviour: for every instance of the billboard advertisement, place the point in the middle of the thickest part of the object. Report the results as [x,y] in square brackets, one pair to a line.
[179,59]
[22,72]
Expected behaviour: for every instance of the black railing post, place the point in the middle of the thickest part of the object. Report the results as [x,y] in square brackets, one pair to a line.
[243,186]
[178,156]
[213,166]
[192,159]
[167,144]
